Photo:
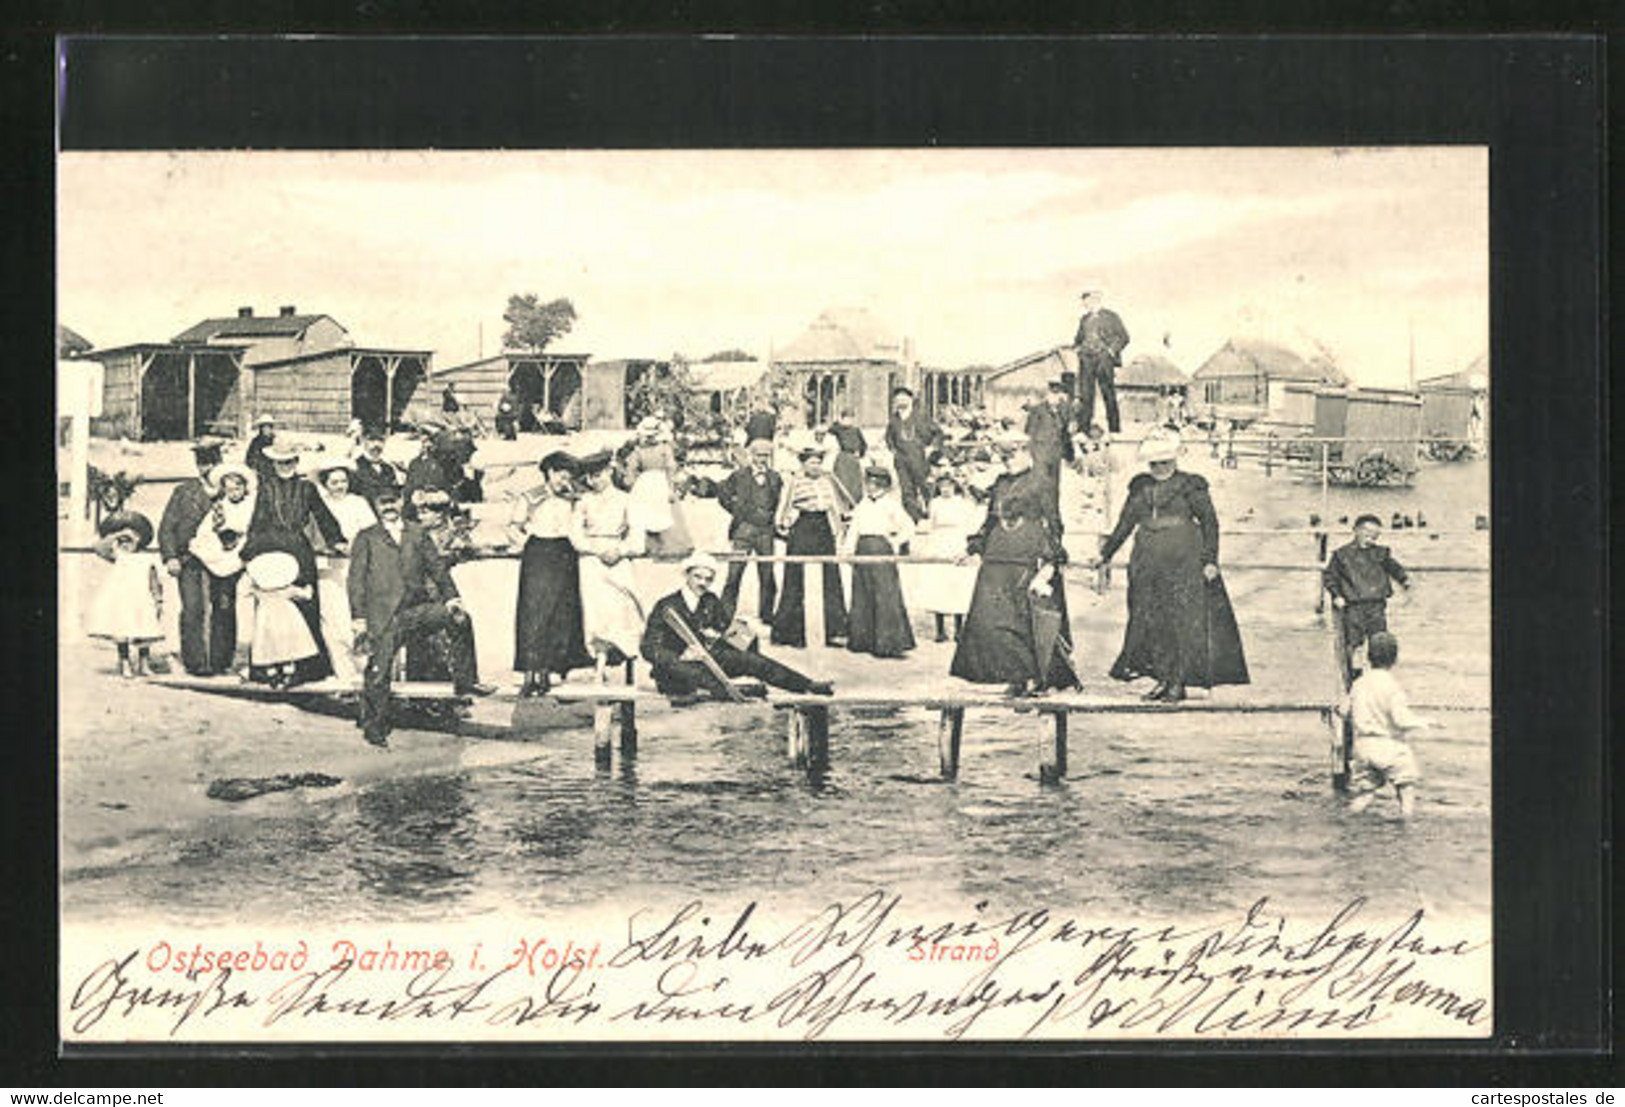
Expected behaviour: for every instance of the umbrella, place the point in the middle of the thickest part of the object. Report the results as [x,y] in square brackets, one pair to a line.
[1047,623]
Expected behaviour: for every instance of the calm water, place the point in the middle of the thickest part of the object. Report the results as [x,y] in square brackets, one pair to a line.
[1159,816]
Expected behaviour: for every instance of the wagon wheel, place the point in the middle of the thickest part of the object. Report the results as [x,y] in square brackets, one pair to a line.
[1442,449]
[1375,468]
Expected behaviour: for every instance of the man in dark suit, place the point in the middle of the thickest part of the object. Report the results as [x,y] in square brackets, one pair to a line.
[911,436]
[751,495]
[1049,438]
[206,600]
[1100,340]
[763,421]
[676,664]
[400,589]
[372,473]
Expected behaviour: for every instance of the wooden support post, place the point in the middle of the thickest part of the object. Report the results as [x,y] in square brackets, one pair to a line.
[389,394]
[1269,457]
[604,719]
[191,396]
[950,728]
[1320,584]
[796,738]
[629,729]
[1052,767]
[1337,748]
[1325,482]
[817,738]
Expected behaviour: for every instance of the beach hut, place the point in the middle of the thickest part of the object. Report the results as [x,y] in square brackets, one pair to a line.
[213,377]
[724,386]
[847,360]
[607,389]
[1381,431]
[547,385]
[1246,379]
[1006,391]
[1456,410]
[1145,385]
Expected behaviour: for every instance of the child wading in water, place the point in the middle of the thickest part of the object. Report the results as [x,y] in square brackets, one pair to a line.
[128,609]
[1382,724]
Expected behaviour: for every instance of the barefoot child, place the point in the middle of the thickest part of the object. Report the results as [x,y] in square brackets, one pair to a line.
[128,608]
[1382,725]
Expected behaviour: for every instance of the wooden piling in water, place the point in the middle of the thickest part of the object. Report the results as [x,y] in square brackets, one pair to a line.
[950,730]
[629,729]
[605,716]
[1052,766]
[808,736]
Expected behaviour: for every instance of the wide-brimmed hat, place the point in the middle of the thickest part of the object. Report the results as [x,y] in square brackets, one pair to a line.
[649,424]
[595,461]
[558,459]
[207,449]
[699,559]
[282,451]
[263,420]
[232,469]
[878,474]
[319,465]
[1160,445]
[133,521]
[273,569]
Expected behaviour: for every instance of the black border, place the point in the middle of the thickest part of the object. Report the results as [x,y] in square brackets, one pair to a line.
[1537,101]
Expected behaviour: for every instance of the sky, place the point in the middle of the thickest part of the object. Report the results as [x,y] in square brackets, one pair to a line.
[977,255]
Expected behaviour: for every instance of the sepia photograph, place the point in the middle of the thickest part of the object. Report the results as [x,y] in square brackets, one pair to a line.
[775,595]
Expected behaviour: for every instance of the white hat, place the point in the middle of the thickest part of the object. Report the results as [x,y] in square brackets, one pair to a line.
[232,469]
[263,419]
[649,424]
[319,465]
[699,559]
[1161,445]
[273,570]
[282,451]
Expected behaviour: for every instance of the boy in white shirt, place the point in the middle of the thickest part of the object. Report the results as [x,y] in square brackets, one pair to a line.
[1382,723]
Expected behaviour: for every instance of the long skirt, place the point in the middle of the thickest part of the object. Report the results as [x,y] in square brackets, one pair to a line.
[1181,629]
[334,601]
[548,634]
[811,534]
[124,610]
[653,509]
[878,623]
[999,642]
[281,634]
[612,619]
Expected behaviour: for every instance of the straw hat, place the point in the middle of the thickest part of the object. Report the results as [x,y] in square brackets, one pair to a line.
[275,569]
[699,559]
[280,451]
[1160,445]
[233,469]
[319,465]
[264,420]
[139,526]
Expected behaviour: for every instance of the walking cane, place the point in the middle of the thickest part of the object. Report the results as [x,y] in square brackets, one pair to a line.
[692,640]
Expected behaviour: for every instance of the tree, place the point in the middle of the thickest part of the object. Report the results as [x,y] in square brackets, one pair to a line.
[532,324]
[668,392]
[728,355]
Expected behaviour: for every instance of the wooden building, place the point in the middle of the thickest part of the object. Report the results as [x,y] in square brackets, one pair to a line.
[1145,386]
[847,361]
[547,385]
[1008,390]
[1456,406]
[943,389]
[607,390]
[217,375]
[725,386]
[1246,379]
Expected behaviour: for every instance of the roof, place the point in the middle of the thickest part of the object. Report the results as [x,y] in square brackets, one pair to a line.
[724,376]
[505,358]
[105,355]
[1151,371]
[254,326]
[338,351]
[1062,359]
[70,342]
[1252,357]
[843,334]
[1476,375]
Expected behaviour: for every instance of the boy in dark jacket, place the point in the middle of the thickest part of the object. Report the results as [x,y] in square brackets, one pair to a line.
[751,495]
[1360,577]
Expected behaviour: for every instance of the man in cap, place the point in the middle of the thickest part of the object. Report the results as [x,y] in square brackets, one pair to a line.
[1100,340]
[911,436]
[1049,437]
[372,473]
[751,496]
[676,656]
[208,603]
[264,435]
[401,591]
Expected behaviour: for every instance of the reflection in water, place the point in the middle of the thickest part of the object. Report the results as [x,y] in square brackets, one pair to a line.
[412,838]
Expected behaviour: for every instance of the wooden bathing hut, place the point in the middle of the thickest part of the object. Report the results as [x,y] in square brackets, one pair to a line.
[1146,385]
[548,386]
[1246,380]
[1008,390]
[216,375]
[847,360]
[1455,411]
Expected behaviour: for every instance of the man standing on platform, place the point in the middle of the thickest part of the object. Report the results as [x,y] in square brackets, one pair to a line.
[910,437]
[208,603]
[678,657]
[1100,340]
[751,496]
[401,590]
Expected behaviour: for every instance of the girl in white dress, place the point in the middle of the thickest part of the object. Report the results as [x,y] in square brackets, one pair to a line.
[281,635]
[651,467]
[128,609]
[612,618]
[946,589]
[354,515]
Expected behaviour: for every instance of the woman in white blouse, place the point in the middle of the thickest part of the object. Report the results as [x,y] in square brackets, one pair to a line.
[354,515]
[878,623]
[809,517]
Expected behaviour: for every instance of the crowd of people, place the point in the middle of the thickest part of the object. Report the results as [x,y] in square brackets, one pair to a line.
[347,561]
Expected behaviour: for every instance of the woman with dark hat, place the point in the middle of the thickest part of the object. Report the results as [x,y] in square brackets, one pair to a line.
[1181,630]
[548,632]
[878,621]
[128,607]
[809,518]
[1017,631]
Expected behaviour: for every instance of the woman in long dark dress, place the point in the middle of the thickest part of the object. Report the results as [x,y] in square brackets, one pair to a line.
[548,632]
[809,517]
[287,508]
[1017,631]
[878,621]
[1181,629]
